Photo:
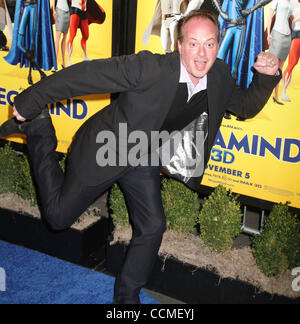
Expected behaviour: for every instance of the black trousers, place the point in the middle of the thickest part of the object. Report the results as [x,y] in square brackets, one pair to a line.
[64,198]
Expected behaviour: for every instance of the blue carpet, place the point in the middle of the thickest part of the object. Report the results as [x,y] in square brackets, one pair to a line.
[35,278]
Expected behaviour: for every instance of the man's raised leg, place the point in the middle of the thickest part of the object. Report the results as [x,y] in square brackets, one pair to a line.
[62,198]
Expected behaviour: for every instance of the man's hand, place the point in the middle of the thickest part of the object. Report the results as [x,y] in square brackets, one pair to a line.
[266,63]
[18,116]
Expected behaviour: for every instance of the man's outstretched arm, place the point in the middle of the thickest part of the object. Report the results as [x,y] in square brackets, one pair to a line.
[248,103]
[95,77]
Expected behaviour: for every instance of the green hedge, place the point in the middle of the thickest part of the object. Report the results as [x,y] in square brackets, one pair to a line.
[181,206]
[118,207]
[278,248]
[220,220]
[9,170]
[15,176]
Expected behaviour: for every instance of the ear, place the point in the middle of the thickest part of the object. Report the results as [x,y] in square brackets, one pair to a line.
[179,46]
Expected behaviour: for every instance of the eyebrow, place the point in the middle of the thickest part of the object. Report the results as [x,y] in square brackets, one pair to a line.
[210,39]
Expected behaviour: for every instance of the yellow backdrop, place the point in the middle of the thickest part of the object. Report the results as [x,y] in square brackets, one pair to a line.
[69,115]
[259,157]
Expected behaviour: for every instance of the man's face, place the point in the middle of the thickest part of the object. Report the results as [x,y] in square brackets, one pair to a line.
[199,47]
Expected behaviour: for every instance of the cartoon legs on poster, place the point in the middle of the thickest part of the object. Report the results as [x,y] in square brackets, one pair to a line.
[29,21]
[279,34]
[293,56]
[293,61]
[82,14]
[4,21]
[32,44]
[61,14]
[241,39]
[165,20]
[78,20]
[179,9]
[235,32]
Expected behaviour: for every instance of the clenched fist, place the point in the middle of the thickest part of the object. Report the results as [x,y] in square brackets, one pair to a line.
[18,116]
[266,63]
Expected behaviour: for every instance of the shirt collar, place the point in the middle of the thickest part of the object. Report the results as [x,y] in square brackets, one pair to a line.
[185,78]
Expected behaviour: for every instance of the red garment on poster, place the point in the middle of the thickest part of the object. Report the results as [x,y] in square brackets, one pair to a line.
[96,14]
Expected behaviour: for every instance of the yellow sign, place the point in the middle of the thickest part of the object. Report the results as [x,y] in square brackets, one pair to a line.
[259,157]
[70,114]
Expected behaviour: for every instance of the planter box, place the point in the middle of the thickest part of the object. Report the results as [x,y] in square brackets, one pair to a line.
[193,285]
[86,248]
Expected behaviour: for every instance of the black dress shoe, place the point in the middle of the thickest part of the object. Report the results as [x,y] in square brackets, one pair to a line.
[13,126]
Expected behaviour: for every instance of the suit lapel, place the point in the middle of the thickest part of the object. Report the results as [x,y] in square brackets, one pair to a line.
[170,83]
[213,89]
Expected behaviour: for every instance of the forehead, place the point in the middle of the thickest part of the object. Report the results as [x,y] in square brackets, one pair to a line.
[200,28]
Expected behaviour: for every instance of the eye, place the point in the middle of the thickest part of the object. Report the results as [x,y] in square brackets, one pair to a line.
[211,45]
[193,45]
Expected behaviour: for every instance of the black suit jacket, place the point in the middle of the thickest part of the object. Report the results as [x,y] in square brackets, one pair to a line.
[147,84]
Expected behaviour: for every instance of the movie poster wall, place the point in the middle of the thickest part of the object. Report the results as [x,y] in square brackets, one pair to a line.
[30,28]
[259,157]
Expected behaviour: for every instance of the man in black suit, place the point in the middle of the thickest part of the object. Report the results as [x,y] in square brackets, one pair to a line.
[157,93]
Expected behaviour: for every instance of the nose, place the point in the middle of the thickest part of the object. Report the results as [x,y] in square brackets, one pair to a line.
[201,50]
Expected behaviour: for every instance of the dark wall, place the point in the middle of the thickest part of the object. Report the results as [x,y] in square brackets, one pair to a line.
[124,27]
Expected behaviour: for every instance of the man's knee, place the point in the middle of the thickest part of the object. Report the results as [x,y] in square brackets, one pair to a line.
[162,226]
[155,227]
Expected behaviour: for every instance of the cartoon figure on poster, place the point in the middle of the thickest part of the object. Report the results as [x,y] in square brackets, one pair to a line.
[83,13]
[280,34]
[4,21]
[294,52]
[32,43]
[242,39]
[166,16]
[61,14]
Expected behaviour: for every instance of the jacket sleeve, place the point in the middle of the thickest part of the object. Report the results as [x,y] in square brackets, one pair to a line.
[249,102]
[113,75]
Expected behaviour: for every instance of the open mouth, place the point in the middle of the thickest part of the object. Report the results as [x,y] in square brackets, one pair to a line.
[200,65]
